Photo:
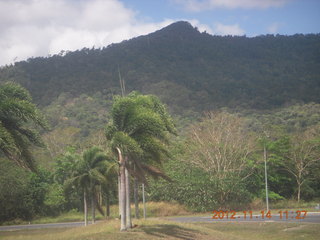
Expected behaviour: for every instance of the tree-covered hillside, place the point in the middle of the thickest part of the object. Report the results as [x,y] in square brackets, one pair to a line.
[187,69]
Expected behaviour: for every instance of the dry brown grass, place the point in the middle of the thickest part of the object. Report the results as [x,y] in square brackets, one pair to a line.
[164,209]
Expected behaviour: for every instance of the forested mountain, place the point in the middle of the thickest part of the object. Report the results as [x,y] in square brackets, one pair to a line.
[261,93]
[187,69]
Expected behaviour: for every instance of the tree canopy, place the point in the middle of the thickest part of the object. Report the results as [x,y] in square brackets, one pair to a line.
[140,126]
[17,136]
[207,71]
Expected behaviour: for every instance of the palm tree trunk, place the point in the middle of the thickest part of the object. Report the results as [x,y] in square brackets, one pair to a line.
[107,204]
[144,202]
[119,194]
[122,199]
[100,195]
[128,206]
[93,206]
[85,207]
[136,198]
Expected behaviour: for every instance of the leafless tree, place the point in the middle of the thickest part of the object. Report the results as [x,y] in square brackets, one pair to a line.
[221,145]
[303,154]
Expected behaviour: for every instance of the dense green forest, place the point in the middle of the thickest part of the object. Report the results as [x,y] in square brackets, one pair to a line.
[207,71]
[229,95]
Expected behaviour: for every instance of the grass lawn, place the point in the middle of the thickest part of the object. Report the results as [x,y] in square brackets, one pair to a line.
[156,228]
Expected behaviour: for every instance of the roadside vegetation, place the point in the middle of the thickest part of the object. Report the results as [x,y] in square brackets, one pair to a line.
[154,209]
[179,166]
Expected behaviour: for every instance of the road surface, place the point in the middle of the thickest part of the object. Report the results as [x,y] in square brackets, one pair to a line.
[40,226]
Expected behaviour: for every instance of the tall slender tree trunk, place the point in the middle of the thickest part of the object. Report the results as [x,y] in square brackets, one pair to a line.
[144,202]
[93,207]
[122,199]
[85,207]
[299,190]
[107,202]
[136,197]
[119,194]
[100,195]
[128,205]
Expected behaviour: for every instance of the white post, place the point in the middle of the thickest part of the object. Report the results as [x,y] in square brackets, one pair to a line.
[119,194]
[128,207]
[144,202]
[85,208]
[265,174]
[123,191]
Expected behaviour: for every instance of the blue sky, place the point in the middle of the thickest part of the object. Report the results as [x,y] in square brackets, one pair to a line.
[32,28]
[280,17]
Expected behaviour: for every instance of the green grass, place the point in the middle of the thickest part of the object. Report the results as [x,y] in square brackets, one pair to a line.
[259,204]
[292,204]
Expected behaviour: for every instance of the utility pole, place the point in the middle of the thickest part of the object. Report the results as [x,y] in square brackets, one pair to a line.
[265,172]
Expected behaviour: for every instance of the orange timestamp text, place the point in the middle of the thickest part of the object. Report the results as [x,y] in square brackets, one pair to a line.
[299,214]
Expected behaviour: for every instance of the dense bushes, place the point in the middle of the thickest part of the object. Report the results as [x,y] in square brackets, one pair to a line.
[22,193]
[198,190]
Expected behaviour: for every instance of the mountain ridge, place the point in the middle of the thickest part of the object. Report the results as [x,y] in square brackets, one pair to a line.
[185,68]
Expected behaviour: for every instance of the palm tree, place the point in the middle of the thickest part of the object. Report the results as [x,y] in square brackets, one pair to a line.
[88,174]
[16,137]
[139,136]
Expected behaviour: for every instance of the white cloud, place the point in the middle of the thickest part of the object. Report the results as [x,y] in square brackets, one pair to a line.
[31,28]
[201,27]
[202,5]
[221,29]
[273,28]
[41,27]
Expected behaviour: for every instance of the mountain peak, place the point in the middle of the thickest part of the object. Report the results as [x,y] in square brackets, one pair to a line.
[179,28]
[179,25]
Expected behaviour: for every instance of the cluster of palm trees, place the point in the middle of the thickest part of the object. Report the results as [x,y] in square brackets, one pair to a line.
[94,173]
[138,135]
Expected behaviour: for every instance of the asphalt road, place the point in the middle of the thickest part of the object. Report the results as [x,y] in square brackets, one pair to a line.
[309,218]
[40,226]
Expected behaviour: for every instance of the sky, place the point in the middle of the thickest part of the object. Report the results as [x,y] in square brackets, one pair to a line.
[33,28]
